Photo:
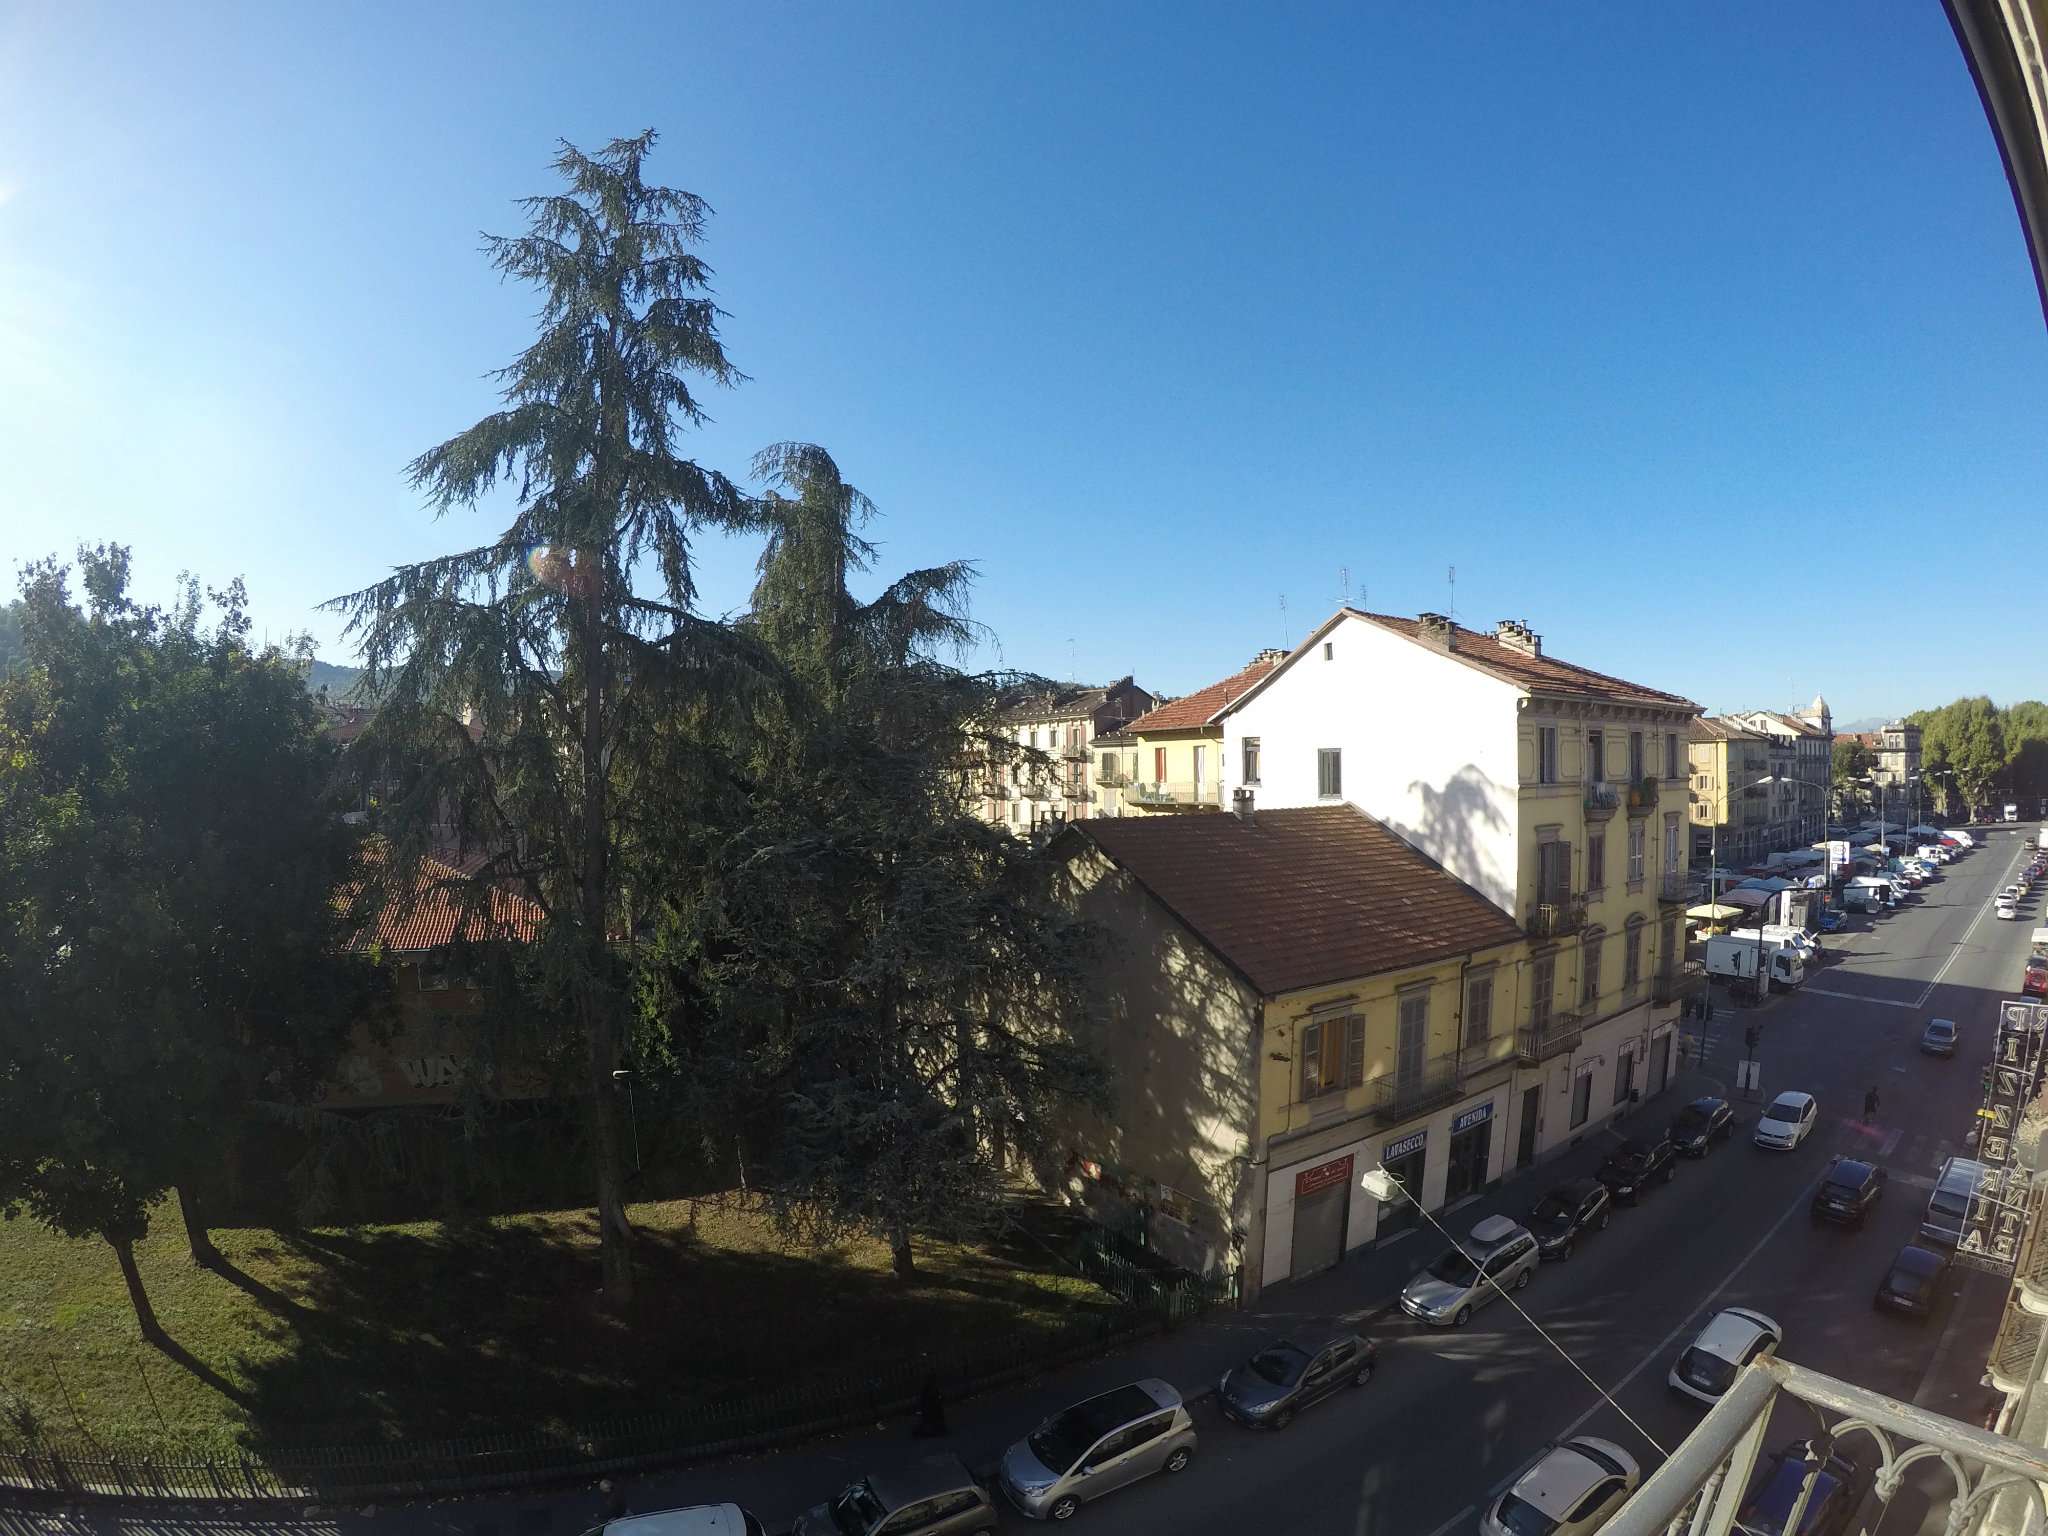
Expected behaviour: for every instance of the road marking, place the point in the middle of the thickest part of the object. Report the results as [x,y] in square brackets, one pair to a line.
[1858,997]
[1664,1345]
[1951,960]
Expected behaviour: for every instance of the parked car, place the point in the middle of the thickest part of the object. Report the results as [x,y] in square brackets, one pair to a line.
[1700,1124]
[1839,1484]
[2013,893]
[2005,908]
[1938,1038]
[2035,982]
[1732,1338]
[1831,920]
[1949,1206]
[1096,1446]
[1289,1374]
[1913,1283]
[930,1496]
[1786,1122]
[1569,1491]
[1635,1164]
[695,1520]
[1848,1192]
[1566,1211]
[1500,1256]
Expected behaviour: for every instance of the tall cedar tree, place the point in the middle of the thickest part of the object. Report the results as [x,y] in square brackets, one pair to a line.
[566,674]
[881,971]
[170,940]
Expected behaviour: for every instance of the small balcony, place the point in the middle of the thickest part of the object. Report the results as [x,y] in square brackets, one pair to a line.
[1039,791]
[1074,751]
[1554,919]
[1110,777]
[1602,799]
[1537,1043]
[1675,885]
[1401,1094]
[1642,796]
[1175,794]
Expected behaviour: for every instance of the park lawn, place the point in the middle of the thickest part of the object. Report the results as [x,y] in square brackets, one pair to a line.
[424,1330]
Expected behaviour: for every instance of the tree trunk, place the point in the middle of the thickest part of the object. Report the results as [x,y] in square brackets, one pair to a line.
[204,1254]
[901,1258]
[145,1314]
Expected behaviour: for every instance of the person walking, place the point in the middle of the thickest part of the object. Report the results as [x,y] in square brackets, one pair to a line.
[931,1410]
[1870,1104]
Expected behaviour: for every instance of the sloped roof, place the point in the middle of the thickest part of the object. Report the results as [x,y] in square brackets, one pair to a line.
[1301,897]
[438,913]
[1721,728]
[1061,700]
[1546,673]
[1201,707]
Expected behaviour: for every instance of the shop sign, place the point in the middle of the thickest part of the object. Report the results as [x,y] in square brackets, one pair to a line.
[1479,1114]
[1394,1151]
[1997,1216]
[1322,1176]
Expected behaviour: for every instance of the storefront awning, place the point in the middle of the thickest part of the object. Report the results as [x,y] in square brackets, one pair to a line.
[1709,913]
[1749,900]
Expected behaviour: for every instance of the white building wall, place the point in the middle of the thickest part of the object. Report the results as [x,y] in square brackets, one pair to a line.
[1429,747]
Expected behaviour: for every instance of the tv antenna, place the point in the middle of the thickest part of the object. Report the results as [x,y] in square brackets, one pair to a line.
[1452,578]
[1286,634]
[1344,586]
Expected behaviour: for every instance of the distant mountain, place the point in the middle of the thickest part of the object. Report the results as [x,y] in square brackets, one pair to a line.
[336,680]
[1858,727]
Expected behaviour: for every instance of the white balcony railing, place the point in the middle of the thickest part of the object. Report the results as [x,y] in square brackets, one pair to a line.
[1701,1488]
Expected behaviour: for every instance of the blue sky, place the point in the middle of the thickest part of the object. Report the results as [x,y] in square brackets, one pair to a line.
[1685,332]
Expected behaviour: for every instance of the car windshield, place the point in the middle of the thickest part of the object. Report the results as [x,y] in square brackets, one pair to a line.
[1906,1282]
[1689,1120]
[1949,1202]
[1281,1364]
[1839,1190]
[1059,1443]
[1708,1372]
[1783,1109]
[856,1510]
[1941,1029]
[1521,1518]
[1553,1207]
[1453,1268]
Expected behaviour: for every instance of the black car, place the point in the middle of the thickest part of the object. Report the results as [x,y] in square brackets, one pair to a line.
[1839,1485]
[1289,1374]
[1700,1124]
[1913,1283]
[1636,1163]
[1583,1205]
[1848,1192]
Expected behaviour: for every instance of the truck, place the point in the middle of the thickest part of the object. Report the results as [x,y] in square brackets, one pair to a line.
[1866,889]
[1738,959]
[2012,813]
[2041,842]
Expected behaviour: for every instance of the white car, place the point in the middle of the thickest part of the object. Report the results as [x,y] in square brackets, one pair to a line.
[2005,909]
[1785,1122]
[1710,1364]
[1570,1491]
[2012,893]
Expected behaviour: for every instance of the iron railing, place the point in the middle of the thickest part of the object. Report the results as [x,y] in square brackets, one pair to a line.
[1602,799]
[1675,885]
[1554,919]
[1537,1043]
[1400,1094]
[1643,795]
[1175,792]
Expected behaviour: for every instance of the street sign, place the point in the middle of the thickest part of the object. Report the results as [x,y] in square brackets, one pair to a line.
[1997,1216]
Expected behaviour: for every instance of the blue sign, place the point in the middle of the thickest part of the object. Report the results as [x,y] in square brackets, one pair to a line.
[1478,1115]
[1394,1151]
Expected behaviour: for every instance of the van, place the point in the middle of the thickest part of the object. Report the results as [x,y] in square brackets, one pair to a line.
[1806,944]
[1948,1208]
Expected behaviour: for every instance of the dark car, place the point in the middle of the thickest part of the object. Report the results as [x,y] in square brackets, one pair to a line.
[1289,1374]
[1583,1205]
[1831,920]
[1636,1163]
[1848,1192]
[1913,1283]
[1938,1038]
[1839,1485]
[1700,1124]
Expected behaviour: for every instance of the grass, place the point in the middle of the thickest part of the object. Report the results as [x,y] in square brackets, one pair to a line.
[330,1336]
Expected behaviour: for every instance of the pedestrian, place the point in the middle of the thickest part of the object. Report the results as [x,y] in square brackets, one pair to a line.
[1870,1104]
[931,1410]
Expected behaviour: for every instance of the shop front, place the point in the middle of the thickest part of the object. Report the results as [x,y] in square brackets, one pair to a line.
[1322,1204]
[1405,1158]
[1471,1152]
[1661,1046]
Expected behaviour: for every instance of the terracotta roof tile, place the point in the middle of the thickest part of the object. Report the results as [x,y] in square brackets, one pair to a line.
[437,912]
[1197,708]
[1545,672]
[1303,897]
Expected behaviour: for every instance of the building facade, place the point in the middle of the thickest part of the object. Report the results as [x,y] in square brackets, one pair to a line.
[1049,773]
[1169,760]
[1727,803]
[1554,791]
[1800,798]
[1898,753]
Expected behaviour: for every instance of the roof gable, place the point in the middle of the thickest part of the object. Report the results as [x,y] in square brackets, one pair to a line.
[1205,706]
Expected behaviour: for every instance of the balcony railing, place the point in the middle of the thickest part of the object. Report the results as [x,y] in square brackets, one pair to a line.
[1701,1486]
[1602,799]
[1175,792]
[1074,749]
[1537,1043]
[1674,885]
[1401,1094]
[1673,981]
[1554,919]
[1039,791]
[1642,795]
[1111,776]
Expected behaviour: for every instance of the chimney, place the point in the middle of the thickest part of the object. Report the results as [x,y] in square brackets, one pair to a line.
[1241,804]
[1516,635]
[1269,655]
[1436,629]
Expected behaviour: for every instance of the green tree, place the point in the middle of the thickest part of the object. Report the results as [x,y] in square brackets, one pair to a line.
[886,972]
[525,681]
[170,936]
[10,637]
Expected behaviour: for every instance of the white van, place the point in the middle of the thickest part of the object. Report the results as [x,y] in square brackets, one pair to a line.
[1807,944]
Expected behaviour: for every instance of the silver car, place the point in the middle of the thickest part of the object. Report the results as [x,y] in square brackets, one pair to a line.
[696,1520]
[1098,1446]
[1570,1491]
[1500,1256]
[931,1496]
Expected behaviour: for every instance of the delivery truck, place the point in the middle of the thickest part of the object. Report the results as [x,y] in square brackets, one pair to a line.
[1750,963]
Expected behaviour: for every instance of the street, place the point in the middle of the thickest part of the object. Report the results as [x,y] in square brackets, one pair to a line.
[1455,1415]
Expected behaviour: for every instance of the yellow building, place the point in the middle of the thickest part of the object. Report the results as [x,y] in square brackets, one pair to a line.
[1289,999]
[1171,759]
[1044,778]
[1730,809]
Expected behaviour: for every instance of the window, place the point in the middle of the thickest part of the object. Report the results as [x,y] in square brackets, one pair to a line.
[1330,772]
[1546,754]
[1582,1099]
[911,1517]
[1542,983]
[1251,759]
[1412,1043]
[1034,738]
[1671,859]
[1329,651]
[1332,1055]
[956,1504]
[1201,758]
[1013,811]
[1624,1078]
[1632,963]
[1635,756]
[1596,861]
[1589,967]
[1553,872]
[1109,767]
[1635,852]
[1596,756]
[1159,765]
[1671,755]
[1478,1010]
[1150,1430]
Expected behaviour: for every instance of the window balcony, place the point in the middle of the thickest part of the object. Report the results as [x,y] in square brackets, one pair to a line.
[1175,794]
[1675,885]
[1555,919]
[1642,796]
[1674,981]
[1602,799]
[1110,777]
[1039,791]
[1398,1095]
[1537,1043]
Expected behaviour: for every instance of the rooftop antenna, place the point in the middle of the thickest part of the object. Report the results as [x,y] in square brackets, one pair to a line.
[1073,662]
[1453,580]
[1344,586]
[1286,634]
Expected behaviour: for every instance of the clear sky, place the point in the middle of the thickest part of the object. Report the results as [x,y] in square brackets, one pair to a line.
[1701,336]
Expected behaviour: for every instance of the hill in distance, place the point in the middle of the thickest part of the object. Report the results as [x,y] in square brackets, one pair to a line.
[336,680]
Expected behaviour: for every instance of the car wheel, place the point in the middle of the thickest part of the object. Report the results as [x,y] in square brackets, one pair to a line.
[1064,1509]
[1464,1316]
[1282,1419]
[1605,1217]
[1362,1375]
[1523,1278]
[1178,1461]
[1670,1171]
[1566,1251]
